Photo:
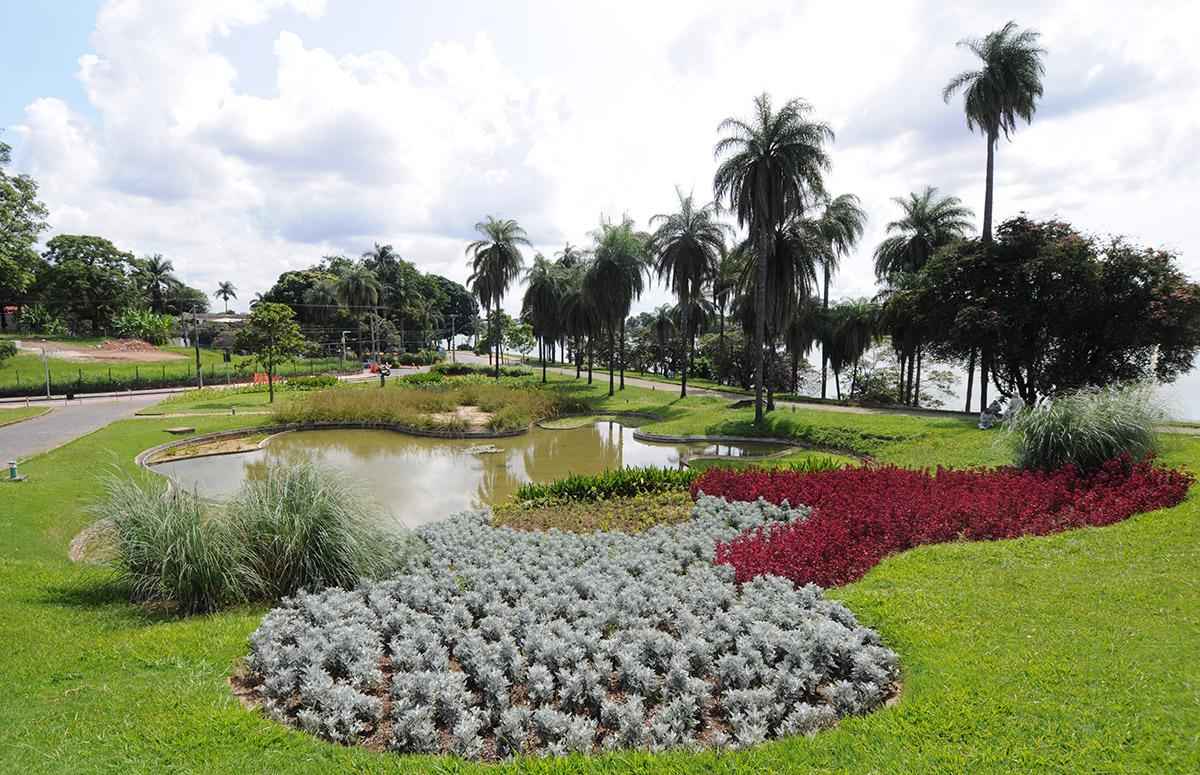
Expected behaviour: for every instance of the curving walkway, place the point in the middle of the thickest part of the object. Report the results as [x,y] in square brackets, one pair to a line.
[67,421]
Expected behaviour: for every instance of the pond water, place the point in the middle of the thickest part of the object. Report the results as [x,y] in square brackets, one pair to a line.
[419,480]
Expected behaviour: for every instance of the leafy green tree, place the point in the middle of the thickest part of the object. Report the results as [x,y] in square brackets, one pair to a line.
[296,288]
[580,317]
[185,299]
[838,227]
[1061,310]
[225,291]
[22,220]
[156,276]
[271,335]
[724,286]
[456,308]
[358,291]
[542,304]
[615,278]
[88,279]
[772,168]
[1006,88]
[687,246]
[496,261]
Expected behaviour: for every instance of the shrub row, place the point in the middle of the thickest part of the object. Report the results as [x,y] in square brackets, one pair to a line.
[463,369]
[613,483]
[861,515]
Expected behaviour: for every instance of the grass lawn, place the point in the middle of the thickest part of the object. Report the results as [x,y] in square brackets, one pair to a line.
[16,414]
[1069,653]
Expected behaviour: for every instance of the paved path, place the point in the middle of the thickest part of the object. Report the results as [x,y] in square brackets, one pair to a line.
[68,420]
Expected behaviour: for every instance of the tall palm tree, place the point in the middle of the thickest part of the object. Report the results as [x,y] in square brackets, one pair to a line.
[928,223]
[723,287]
[687,246]
[772,167]
[225,291]
[1006,88]
[358,290]
[579,315]
[569,256]
[839,226]
[158,277]
[496,261]
[664,327]
[542,303]
[616,276]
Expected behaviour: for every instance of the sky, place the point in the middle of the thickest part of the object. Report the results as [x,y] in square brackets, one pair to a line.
[243,138]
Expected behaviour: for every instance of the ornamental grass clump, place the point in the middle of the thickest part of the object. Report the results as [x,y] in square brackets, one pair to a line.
[169,549]
[1086,428]
[508,643]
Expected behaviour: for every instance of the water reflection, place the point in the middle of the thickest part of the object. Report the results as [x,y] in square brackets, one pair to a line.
[418,480]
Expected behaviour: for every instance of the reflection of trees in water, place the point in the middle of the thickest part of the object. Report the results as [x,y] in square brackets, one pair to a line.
[361,445]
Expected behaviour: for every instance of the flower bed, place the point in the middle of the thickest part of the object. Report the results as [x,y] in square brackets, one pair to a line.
[510,642]
[861,515]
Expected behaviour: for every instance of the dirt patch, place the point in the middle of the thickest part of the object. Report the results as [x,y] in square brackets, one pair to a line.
[108,351]
[213,447]
[471,417]
[94,544]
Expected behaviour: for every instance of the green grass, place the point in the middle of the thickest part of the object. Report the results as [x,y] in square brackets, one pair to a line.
[1069,653]
[9,416]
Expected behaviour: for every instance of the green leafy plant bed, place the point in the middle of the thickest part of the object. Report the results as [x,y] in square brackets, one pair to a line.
[614,483]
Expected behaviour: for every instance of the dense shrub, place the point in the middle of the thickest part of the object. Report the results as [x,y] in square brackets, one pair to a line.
[7,349]
[315,382]
[144,324]
[861,515]
[613,483]
[512,643]
[464,369]
[422,378]
[423,358]
[297,527]
[1086,428]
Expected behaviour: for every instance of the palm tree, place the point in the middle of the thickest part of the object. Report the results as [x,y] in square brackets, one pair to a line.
[724,286]
[157,275]
[615,278]
[358,290]
[579,315]
[496,261]
[839,227]
[225,291]
[928,223]
[542,303]
[664,326]
[1006,88]
[569,256]
[687,248]
[772,168]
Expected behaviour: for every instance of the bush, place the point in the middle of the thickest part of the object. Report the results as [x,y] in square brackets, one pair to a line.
[305,528]
[144,324]
[465,369]
[299,527]
[170,550]
[7,350]
[422,358]
[316,382]
[508,643]
[1086,428]
[422,378]
[614,483]
[861,515]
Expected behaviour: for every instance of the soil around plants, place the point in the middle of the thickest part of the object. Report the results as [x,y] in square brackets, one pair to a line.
[108,351]
[471,417]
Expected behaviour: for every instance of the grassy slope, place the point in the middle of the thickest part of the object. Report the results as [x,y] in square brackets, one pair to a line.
[11,415]
[1068,653]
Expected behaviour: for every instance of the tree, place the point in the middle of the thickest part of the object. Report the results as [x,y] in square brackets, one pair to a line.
[496,261]
[1006,88]
[225,291]
[579,314]
[724,285]
[87,279]
[928,223]
[772,167]
[1060,310]
[271,335]
[615,278]
[687,246]
[22,220]
[156,275]
[358,290]
[838,227]
[542,303]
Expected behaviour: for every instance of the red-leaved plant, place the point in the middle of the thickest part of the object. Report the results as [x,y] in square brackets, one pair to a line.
[861,515]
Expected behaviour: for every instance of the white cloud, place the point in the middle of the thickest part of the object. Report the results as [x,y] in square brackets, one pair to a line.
[562,113]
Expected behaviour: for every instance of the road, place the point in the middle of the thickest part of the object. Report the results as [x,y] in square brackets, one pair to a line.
[68,420]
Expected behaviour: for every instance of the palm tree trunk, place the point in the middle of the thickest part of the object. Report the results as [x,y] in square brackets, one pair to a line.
[687,355]
[589,357]
[917,390]
[912,368]
[612,356]
[795,372]
[984,362]
[987,190]
[543,354]
[577,354]
[970,377]
[900,387]
[825,308]
[622,353]
[760,333]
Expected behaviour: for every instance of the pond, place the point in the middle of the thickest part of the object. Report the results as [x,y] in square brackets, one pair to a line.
[419,480]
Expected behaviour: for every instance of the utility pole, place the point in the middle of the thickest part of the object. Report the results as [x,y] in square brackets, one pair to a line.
[453,354]
[196,341]
[46,364]
[342,353]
